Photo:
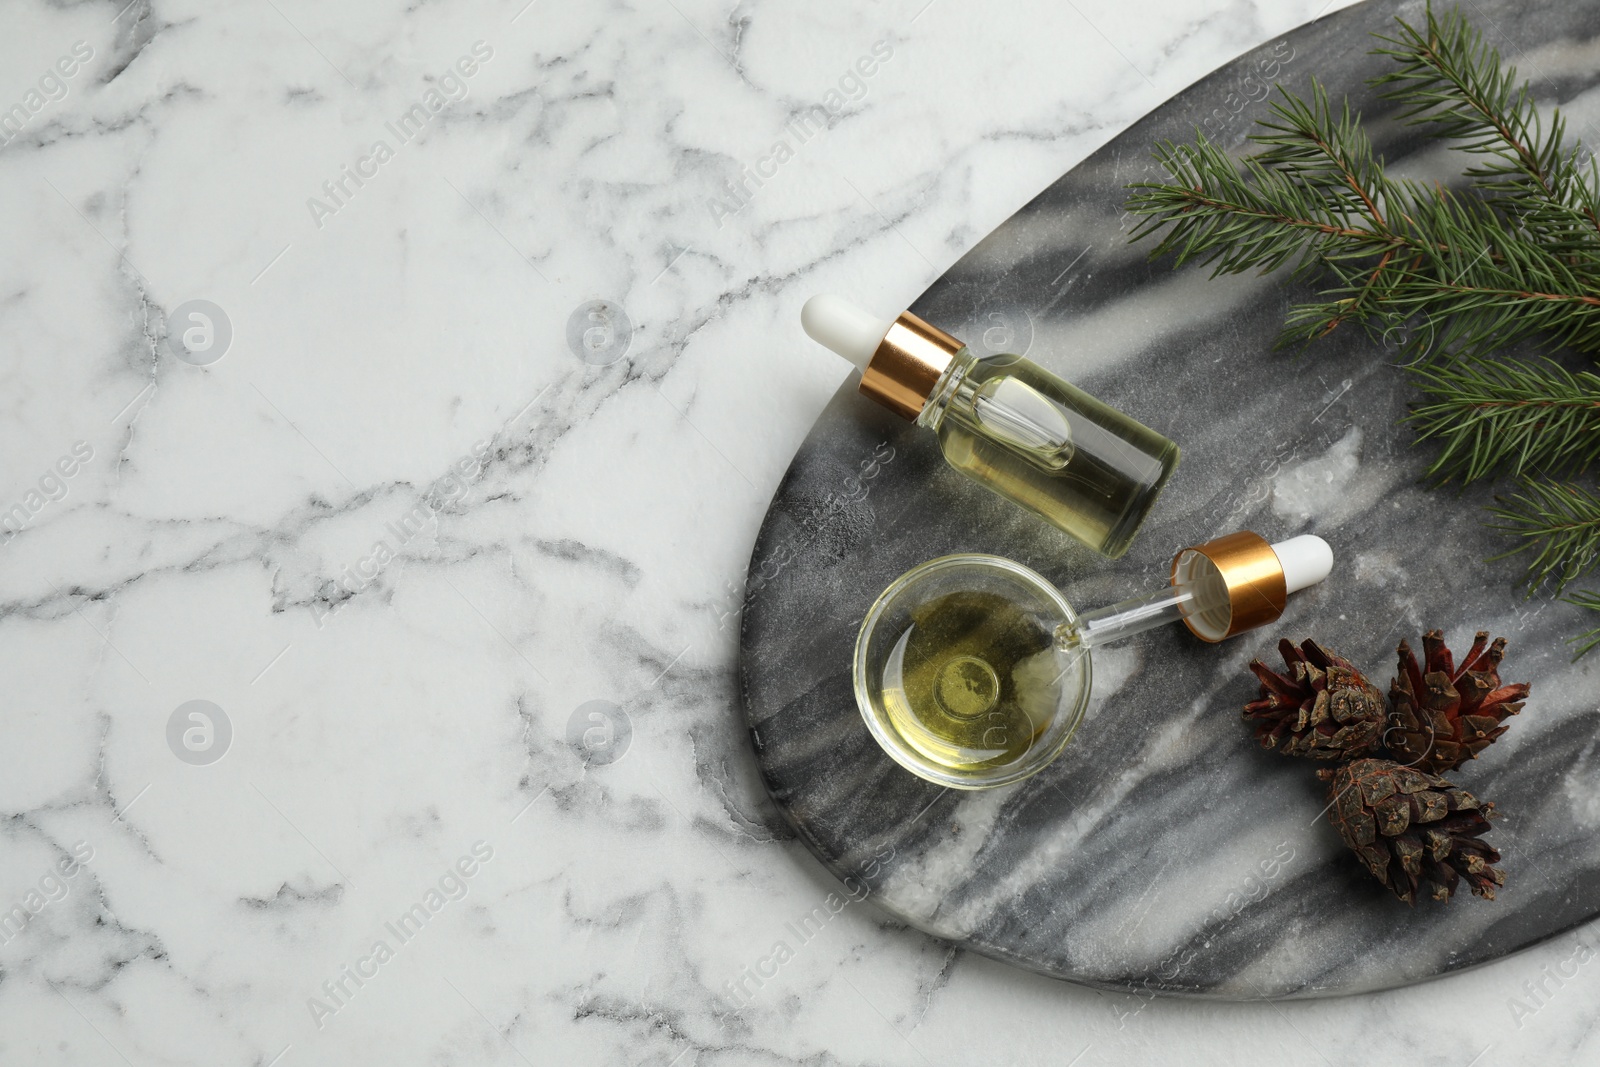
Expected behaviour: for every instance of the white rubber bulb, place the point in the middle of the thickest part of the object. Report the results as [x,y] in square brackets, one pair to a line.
[1306,560]
[834,322]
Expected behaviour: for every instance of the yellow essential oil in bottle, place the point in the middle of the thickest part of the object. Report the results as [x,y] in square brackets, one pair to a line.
[1008,423]
[1077,463]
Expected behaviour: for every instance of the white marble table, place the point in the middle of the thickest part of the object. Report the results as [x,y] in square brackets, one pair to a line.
[407,542]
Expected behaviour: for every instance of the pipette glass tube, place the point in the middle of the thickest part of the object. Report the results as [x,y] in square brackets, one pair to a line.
[973,671]
[1121,621]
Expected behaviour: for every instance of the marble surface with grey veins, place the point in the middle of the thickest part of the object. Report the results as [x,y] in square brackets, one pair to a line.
[1163,851]
[392,394]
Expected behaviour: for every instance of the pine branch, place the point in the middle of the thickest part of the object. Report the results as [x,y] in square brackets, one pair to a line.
[1587,642]
[1327,153]
[1449,77]
[1317,198]
[1513,258]
[1241,218]
[1519,418]
[1559,523]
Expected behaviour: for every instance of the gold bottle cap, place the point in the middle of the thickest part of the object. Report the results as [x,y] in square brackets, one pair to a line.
[907,365]
[900,361]
[1244,567]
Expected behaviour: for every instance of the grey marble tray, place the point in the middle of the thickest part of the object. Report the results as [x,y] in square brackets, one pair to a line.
[1163,852]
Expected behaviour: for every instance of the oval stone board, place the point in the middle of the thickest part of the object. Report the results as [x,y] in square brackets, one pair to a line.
[1164,851]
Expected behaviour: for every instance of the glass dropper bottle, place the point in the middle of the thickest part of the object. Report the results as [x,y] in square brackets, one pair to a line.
[1006,422]
[973,671]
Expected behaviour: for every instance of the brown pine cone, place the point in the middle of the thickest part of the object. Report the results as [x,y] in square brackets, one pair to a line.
[1324,709]
[1442,715]
[1410,829]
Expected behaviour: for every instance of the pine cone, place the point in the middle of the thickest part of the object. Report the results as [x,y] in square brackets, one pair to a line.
[1443,715]
[1324,709]
[1411,828]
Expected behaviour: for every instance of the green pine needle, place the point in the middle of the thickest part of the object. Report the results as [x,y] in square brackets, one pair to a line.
[1589,641]
[1559,523]
[1511,258]
[1449,77]
[1521,418]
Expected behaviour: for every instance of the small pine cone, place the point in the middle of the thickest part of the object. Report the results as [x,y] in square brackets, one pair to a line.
[1442,715]
[1412,829]
[1323,709]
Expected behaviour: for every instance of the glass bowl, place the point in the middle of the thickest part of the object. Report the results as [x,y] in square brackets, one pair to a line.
[962,674]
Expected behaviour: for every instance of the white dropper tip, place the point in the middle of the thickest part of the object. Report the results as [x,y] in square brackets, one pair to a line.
[836,323]
[1306,560]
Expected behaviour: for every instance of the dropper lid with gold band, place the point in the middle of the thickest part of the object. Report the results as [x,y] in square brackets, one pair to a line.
[901,359]
[1241,581]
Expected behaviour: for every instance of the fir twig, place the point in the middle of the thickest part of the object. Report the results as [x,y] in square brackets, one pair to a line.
[1512,258]
[1448,76]
[1559,523]
[1586,642]
[1317,198]
[1501,416]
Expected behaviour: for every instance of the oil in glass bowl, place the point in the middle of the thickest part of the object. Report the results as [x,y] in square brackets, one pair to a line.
[966,681]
